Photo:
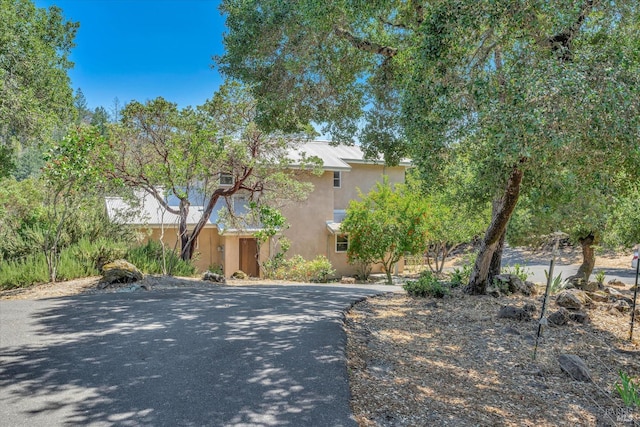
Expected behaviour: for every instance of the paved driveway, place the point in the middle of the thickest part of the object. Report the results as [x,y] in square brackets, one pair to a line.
[254,356]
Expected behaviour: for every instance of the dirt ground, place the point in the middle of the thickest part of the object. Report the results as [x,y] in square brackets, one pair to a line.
[453,362]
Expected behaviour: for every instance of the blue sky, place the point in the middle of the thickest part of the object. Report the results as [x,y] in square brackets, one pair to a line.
[141,49]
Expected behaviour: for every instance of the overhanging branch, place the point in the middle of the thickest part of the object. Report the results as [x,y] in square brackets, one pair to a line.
[366,45]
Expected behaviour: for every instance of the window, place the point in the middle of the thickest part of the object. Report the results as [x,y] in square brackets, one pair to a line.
[226,180]
[342,242]
[337,178]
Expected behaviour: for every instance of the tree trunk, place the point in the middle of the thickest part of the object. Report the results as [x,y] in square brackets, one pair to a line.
[588,256]
[496,260]
[485,265]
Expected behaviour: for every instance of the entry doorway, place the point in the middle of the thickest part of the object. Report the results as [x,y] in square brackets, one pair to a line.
[249,257]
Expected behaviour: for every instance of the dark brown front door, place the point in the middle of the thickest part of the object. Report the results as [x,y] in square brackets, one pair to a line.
[249,257]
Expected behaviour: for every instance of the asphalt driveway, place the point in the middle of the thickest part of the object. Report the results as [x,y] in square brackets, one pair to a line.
[254,356]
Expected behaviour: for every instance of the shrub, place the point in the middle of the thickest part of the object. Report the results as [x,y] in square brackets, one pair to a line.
[518,270]
[97,253]
[149,259]
[298,269]
[25,272]
[460,276]
[427,285]
[628,390]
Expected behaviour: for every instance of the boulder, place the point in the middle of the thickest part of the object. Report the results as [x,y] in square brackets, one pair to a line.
[240,275]
[615,282]
[573,299]
[622,306]
[589,286]
[598,296]
[214,277]
[579,317]
[559,318]
[511,284]
[120,271]
[523,314]
[575,367]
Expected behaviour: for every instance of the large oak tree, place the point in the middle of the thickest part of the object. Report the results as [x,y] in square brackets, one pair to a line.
[524,89]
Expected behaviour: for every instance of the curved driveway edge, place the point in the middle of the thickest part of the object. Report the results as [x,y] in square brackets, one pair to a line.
[229,356]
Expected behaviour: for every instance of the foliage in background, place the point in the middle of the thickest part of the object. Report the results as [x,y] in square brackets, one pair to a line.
[451,220]
[427,285]
[71,174]
[519,270]
[152,258]
[383,226]
[299,269]
[35,91]
[272,223]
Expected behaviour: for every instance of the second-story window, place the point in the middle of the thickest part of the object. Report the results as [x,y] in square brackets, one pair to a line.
[226,180]
[337,179]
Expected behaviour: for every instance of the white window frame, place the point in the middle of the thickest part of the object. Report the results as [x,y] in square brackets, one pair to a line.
[226,176]
[337,175]
[340,251]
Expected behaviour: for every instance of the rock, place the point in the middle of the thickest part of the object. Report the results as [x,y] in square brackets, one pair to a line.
[509,283]
[348,280]
[240,275]
[615,282]
[575,367]
[559,318]
[579,317]
[590,286]
[612,291]
[598,297]
[530,289]
[120,271]
[621,305]
[214,277]
[573,299]
[530,308]
[511,312]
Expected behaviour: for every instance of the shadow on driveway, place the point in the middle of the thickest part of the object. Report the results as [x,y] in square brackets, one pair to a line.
[259,356]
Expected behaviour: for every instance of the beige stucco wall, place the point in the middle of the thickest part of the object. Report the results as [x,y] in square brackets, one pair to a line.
[308,219]
[363,177]
[206,248]
[308,230]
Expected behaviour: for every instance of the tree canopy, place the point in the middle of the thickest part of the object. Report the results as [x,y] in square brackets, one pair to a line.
[385,225]
[35,92]
[161,149]
[524,91]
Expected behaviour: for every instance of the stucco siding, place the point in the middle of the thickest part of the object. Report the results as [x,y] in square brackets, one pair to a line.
[308,219]
[364,177]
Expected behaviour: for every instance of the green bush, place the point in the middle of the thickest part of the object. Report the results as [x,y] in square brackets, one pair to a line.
[460,276]
[427,285]
[25,272]
[298,269]
[149,259]
[71,267]
[97,253]
[521,271]
[32,270]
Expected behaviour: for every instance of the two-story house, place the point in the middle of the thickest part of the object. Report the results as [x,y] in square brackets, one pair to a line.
[314,224]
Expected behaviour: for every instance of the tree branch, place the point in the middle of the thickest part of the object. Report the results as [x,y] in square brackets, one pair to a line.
[366,45]
[561,42]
